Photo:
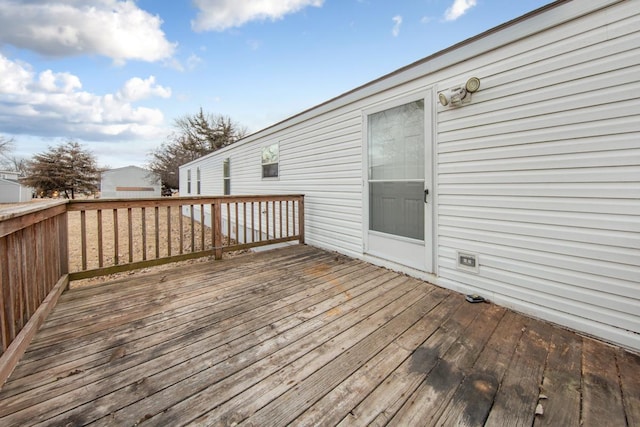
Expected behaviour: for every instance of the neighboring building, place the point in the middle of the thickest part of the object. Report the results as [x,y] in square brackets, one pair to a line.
[11,191]
[526,192]
[129,182]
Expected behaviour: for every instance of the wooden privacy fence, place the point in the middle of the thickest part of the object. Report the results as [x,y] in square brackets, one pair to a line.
[43,246]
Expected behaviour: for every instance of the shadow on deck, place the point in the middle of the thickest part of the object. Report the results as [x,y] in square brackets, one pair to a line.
[302,336]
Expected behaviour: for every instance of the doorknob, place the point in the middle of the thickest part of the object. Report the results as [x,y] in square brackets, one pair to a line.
[426,193]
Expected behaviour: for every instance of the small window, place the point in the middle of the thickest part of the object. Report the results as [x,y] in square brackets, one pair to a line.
[226,175]
[198,186]
[270,159]
[188,181]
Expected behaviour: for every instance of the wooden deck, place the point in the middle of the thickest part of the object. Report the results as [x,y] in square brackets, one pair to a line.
[305,337]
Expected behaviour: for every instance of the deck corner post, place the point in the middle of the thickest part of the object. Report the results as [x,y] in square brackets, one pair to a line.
[216,223]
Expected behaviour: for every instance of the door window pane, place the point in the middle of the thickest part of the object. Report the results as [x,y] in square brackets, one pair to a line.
[397,170]
[396,142]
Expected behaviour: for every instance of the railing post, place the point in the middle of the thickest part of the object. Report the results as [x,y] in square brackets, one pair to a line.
[301,219]
[63,242]
[216,223]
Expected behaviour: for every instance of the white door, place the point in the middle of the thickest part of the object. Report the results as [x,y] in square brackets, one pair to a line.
[398,159]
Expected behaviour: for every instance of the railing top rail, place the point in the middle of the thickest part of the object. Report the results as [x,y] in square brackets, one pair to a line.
[16,210]
[19,217]
[79,205]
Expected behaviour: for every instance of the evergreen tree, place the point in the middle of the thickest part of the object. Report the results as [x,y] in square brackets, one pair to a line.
[68,169]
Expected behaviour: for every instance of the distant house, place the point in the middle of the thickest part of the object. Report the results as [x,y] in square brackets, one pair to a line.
[129,182]
[507,166]
[11,191]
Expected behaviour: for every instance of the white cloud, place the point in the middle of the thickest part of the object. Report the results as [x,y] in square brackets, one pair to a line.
[53,105]
[136,89]
[193,61]
[117,29]
[219,15]
[458,8]
[397,22]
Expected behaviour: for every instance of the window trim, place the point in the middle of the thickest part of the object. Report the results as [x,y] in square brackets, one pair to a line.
[198,181]
[263,163]
[226,176]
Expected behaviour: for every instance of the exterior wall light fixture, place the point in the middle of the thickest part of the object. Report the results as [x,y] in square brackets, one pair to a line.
[458,95]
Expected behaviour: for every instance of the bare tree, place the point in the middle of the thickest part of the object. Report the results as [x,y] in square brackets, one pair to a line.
[67,168]
[6,146]
[194,136]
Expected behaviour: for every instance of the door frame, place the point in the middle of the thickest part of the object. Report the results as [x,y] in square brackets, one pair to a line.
[429,212]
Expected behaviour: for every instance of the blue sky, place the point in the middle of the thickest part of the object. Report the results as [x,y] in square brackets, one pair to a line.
[114,75]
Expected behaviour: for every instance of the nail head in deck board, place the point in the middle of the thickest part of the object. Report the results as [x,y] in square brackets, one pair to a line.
[561,383]
[601,394]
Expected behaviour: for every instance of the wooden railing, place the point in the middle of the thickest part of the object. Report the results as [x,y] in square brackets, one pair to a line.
[158,231]
[33,272]
[44,246]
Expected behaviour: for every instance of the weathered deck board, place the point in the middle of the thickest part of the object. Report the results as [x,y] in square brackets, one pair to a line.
[561,384]
[430,400]
[518,395]
[602,395]
[305,337]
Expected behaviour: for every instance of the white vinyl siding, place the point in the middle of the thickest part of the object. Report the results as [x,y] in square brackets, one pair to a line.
[13,192]
[539,175]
